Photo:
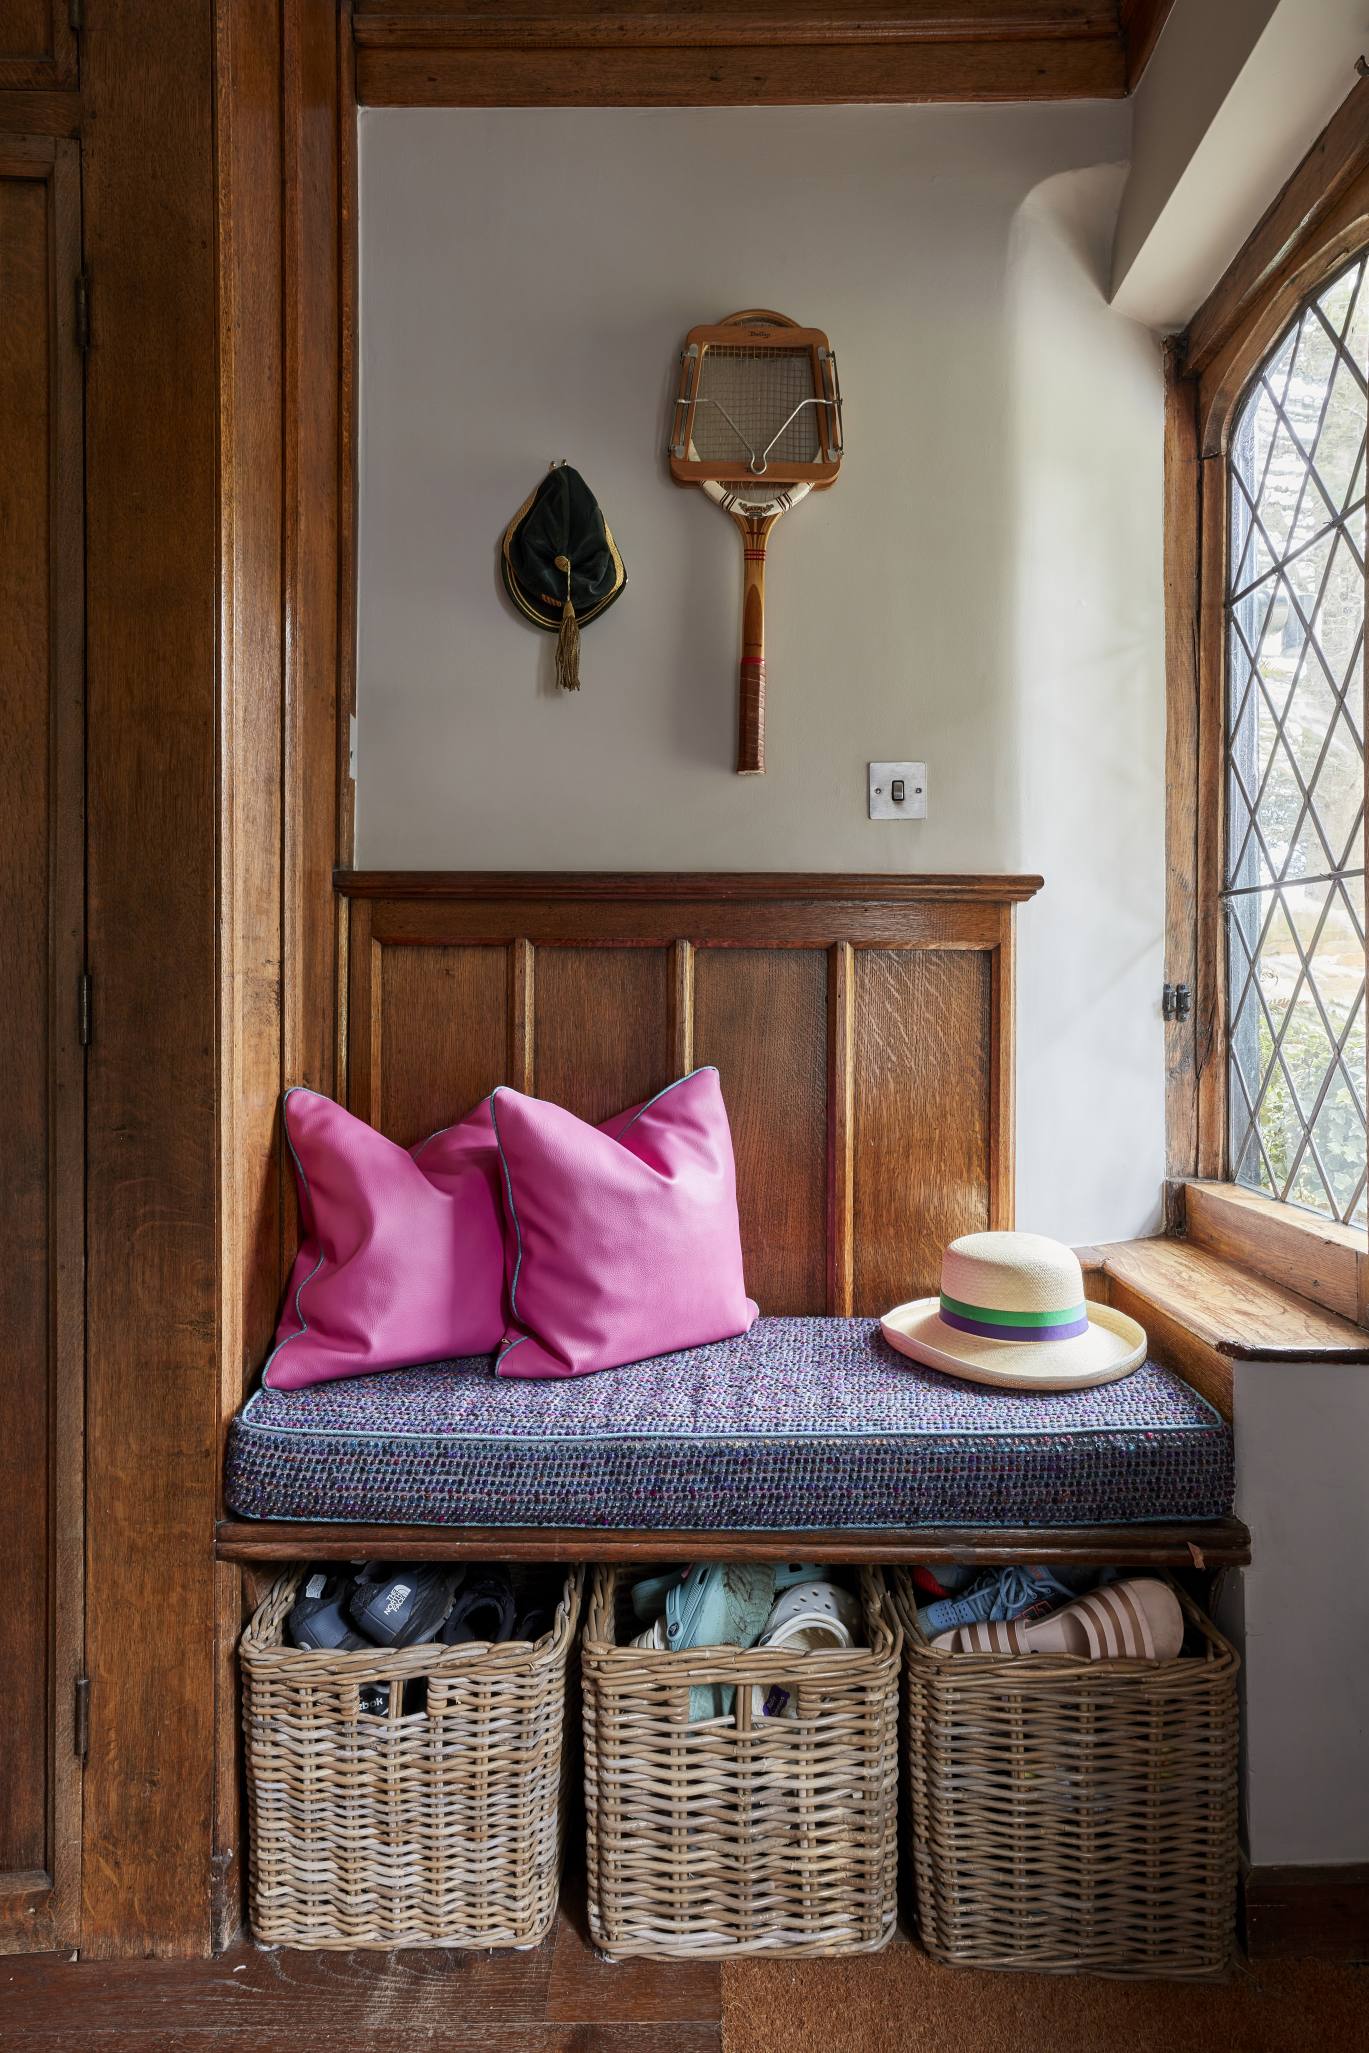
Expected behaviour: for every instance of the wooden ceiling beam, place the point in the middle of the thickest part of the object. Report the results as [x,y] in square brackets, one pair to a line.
[792,52]
[622,24]
[1142,21]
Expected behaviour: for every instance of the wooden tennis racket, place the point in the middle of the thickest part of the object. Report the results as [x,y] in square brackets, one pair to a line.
[757,424]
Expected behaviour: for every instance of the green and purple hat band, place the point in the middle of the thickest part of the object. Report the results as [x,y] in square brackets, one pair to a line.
[988,1324]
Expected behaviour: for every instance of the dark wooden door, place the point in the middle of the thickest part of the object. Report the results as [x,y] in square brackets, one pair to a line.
[42,1082]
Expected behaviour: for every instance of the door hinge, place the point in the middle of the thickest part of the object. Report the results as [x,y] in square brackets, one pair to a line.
[76,16]
[80,1731]
[83,311]
[1176,1002]
[83,1009]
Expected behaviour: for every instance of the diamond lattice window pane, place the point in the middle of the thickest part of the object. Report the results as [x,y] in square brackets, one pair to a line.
[1295,820]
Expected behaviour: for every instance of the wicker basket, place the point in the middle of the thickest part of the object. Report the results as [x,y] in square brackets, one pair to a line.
[739,1834]
[442,1826]
[1071,1815]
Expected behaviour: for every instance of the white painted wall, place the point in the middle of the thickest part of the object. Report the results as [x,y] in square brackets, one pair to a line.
[981,590]
[1302,1460]
[1233,98]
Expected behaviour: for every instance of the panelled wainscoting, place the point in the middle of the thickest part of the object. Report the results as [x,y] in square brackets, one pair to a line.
[862,1027]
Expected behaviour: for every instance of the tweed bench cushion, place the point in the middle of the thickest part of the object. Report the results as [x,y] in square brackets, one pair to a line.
[800,1423]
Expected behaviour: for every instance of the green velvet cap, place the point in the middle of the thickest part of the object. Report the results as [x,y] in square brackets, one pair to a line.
[561,525]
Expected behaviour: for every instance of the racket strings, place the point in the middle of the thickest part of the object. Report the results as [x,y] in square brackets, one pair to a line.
[758,405]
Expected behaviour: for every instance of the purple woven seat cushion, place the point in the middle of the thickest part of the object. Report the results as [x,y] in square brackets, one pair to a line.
[800,1423]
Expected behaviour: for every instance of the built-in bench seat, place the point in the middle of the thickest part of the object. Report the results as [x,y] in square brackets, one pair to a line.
[802,1424]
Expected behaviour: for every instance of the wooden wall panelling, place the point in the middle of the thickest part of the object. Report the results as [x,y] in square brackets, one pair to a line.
[601,1034]
[841,1130]
[923,1115]
[862,1028]
[412,54]
[445,1036]
[761,1019]
[42,943]
[42,113]
[38,45]
[153,1381]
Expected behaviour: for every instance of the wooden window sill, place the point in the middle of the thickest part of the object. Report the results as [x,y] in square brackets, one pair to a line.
[1313,1257]
[1204,1311]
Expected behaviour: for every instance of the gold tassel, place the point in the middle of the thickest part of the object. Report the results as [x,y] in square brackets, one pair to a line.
[568,640]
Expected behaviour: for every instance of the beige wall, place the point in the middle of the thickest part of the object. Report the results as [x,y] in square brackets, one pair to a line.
[981,590]
[1235,94]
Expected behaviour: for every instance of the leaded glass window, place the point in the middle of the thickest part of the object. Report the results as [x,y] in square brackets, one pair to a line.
[1294,860]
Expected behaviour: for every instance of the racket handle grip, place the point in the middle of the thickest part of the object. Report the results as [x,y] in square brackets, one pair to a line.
[751,718]
[751,698]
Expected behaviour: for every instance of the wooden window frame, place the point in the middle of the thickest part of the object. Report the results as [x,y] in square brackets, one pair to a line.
[1318,223]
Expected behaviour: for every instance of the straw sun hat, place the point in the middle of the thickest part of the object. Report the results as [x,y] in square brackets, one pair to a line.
[1012,1312]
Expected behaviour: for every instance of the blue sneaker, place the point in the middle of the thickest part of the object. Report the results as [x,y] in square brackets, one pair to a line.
[1001,1593]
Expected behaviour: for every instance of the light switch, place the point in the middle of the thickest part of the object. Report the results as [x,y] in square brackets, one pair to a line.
[898,791]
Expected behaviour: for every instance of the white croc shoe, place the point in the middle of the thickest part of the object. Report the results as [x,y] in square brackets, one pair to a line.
[810,1617]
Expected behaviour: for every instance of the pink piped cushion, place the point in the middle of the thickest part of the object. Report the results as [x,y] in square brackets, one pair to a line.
[622,1238]
[402,1254]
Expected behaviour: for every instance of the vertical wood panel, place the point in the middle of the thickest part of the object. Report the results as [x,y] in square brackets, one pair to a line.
[923,1115]
[312,287]
[1000,1028]
[522,970]
[841,1129]
[41,1110]
[26,1275]
[363,1009]
[348,252]
[251,644]
[682,1008]
[148,184]
[445,1041]
[601,1027]
[760,1015]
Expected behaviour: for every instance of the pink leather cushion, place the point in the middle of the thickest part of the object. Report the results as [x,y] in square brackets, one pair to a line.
[402,1255]
[623,1238]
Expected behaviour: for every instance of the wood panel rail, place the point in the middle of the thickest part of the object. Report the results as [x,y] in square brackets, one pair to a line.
[1218,1543]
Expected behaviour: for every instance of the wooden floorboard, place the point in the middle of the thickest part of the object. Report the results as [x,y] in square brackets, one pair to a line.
[561,1997]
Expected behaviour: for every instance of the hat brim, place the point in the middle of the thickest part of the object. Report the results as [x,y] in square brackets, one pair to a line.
[1113,1346]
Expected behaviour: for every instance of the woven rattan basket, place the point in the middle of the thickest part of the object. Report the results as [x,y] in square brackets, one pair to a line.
[1073,1815]
[442,1826]
[739,1834]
